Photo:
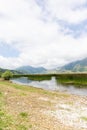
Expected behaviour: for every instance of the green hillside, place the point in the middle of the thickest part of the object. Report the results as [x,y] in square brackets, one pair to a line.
[13,71]
[77,66]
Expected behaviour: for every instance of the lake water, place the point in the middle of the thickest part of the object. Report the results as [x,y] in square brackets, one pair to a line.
[51,85]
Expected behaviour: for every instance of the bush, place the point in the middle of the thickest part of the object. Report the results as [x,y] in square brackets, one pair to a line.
[7,75]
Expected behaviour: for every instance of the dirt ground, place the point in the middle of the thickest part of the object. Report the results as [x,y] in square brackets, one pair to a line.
[36,109]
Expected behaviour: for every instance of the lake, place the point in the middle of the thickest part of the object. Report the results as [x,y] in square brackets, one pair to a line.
[51,84]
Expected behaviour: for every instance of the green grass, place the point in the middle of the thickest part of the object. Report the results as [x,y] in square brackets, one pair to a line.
[79,80]
[84,118]
[24,114]
[39,77]
[9,121]
[1,94]
[5,118]
[35,77]
[22,127]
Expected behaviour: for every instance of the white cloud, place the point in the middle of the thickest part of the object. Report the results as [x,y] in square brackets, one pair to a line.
[72,11]
[40,42]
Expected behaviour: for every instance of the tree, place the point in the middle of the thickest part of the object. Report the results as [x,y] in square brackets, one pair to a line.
[7,75]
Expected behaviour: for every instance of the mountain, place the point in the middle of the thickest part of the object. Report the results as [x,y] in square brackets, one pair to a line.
[77,66]
[31,70]
[13,71]
[2,70]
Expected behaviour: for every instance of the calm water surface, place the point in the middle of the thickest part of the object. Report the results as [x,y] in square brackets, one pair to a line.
[51,85]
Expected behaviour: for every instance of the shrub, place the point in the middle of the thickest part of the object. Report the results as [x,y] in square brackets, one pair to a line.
[7,75]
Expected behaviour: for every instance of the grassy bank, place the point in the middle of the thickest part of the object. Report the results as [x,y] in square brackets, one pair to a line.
[39,77]
[29,108]
[79,80]
[20,107]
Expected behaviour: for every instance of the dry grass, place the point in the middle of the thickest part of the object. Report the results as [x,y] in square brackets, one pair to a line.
[28,108]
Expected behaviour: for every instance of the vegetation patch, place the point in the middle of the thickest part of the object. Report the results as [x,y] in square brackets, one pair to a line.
[84,118]
[24,114]
[22,127]
[5,120]
[1,94]
[7,75]
[79,80]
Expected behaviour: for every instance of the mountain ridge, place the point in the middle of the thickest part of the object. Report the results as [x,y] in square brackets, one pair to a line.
[31,70]
[76,66]
[13,71]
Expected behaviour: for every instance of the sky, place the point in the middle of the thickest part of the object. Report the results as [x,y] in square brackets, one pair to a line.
[48,33]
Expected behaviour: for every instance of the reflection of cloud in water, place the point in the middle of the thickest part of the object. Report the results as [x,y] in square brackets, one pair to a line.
[51,85]
[22,80]
[46,84]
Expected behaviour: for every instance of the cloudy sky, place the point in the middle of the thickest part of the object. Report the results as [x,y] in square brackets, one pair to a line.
[47,33]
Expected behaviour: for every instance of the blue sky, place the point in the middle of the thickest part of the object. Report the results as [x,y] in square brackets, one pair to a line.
[75,30]
[8,51]
[44,33]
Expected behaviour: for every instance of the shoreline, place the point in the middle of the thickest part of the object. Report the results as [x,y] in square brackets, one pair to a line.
[70,88]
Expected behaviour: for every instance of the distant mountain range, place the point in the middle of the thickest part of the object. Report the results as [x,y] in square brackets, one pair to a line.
[77,66]
[31,70]
[26,70]
[13,71]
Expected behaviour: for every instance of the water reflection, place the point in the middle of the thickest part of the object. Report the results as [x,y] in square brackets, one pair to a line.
[51,84]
